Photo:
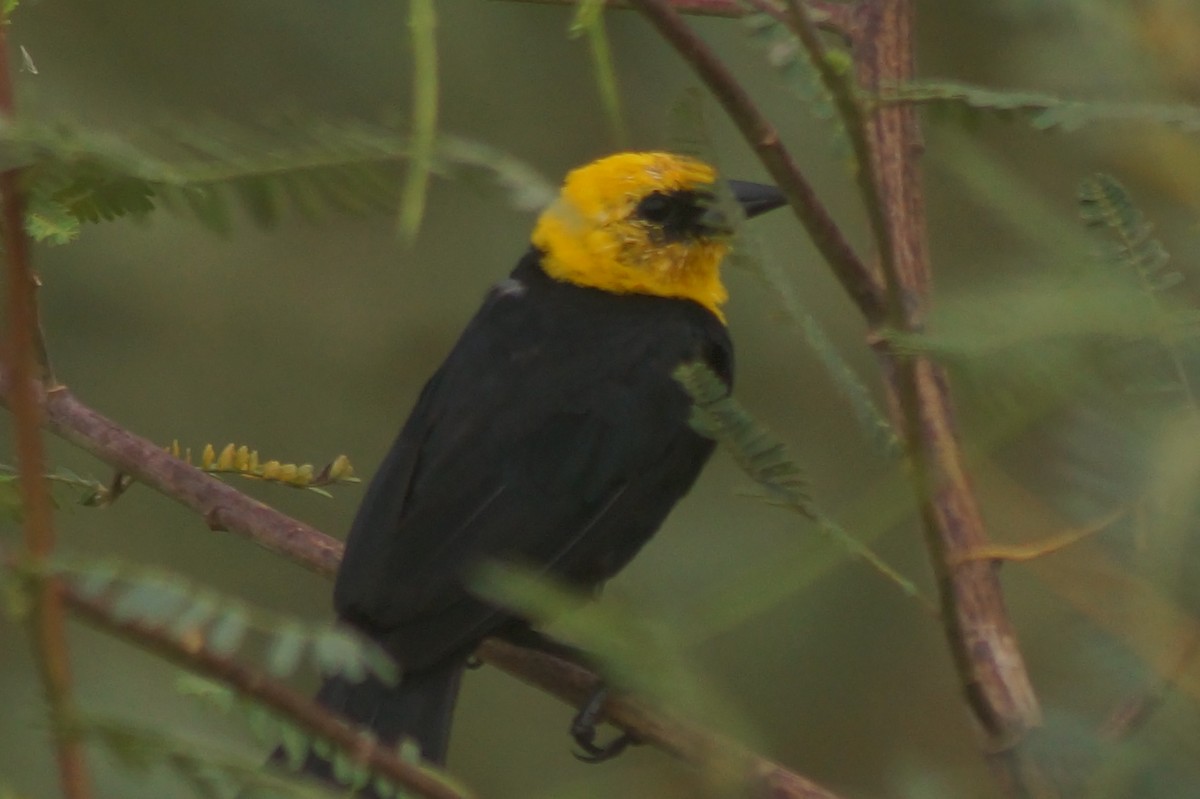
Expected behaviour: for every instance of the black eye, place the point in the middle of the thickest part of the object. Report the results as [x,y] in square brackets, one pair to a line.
[655,208]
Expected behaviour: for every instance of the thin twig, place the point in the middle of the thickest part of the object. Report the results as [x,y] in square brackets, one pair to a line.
[841,88]
[835,17]
[574,685]
[250,682]
[21,357]
[860,281]
[977,626]
[220,505]
[70,419]
[705,8]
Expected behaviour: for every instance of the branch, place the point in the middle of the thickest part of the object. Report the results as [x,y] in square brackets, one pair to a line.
[575,685]
[862,283]
[702,8]
[231,510]
[976,623]
[219,504]
[834,16]
[301,710]
[21,357]
[841,88]
[977,626]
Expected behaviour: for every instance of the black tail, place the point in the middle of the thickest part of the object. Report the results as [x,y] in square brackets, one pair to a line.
[419,708]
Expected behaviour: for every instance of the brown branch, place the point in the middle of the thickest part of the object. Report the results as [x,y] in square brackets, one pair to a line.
[219,504]
[299,709]
[977,626]
[861,282]
[703,8]
[21,356]
[833,16]
[844,93]
[575,685]
[70,419]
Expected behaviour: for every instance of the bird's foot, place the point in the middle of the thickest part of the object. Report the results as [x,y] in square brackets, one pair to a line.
[583,730]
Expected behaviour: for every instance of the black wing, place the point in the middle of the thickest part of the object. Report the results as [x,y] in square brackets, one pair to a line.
[553,435]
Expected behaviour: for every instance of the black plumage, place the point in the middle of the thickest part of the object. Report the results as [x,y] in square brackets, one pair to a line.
[555,436]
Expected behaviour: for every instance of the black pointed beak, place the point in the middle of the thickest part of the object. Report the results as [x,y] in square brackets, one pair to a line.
[756,198]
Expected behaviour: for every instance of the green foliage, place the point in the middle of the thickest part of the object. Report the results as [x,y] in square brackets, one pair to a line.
[870,418]
[717,415]
[271,729]
[786,54]
[211,773]
[794,63]
[689,135]
[1105,205]
[50,221]
[766,460]
[87,491]
[207,169]
[526,188]
[200,618]
[1043,111]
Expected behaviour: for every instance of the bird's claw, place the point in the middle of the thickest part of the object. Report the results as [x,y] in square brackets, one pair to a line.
[583,730]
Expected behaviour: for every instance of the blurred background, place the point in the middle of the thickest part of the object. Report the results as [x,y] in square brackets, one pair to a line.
[313,339]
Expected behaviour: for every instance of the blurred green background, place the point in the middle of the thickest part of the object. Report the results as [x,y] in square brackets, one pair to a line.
[313,339]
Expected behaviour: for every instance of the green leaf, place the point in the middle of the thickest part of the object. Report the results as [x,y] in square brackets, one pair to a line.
[348,772]
[48,220]
[150,599]
[338,652]
[287,649]
[377,661]
[763,458]
[1105,204]
[94,581]
[211,693]
[227,632]
[202,607]
[767,461]
[527,189]
[1044,111]
[785,52]
[295,744]
[384,787]
[264,724]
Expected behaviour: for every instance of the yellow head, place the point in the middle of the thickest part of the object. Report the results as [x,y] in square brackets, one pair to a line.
[638,223]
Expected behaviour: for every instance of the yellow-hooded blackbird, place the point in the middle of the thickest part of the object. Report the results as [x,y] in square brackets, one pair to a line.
[554,434]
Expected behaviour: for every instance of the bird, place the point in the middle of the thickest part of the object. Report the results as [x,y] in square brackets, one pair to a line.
[553,435]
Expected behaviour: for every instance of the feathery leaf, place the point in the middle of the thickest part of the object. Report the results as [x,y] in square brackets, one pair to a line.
[208,168]
[766,460]
[1044,111]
